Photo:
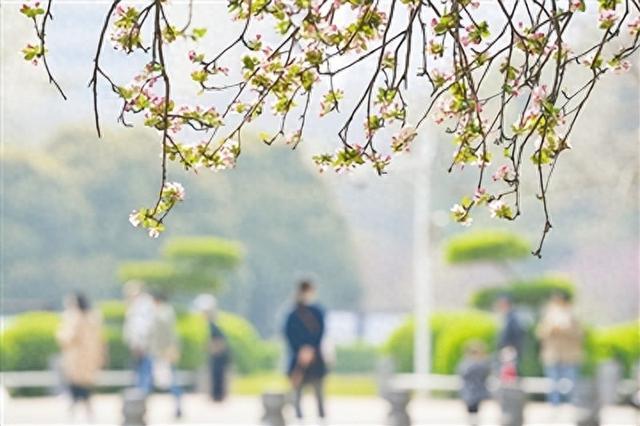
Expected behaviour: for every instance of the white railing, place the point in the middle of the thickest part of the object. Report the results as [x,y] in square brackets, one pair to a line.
[441,382]
[52,379]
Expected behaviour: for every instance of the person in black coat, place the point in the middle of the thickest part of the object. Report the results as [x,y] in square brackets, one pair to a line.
[219,352]
[512,334]
[304,330]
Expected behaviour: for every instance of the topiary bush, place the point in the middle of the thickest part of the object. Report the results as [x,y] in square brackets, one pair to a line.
[399,346]
[358,357]
[486,246]
[113,312]
[249,352]
[192,330]
[534,292]
[449,333]
[29,342]
[449,346]
[620,342]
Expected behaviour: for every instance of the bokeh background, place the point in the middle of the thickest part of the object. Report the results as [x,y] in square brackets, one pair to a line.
[66,196]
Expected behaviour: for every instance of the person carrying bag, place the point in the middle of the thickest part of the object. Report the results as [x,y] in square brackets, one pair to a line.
[304,332]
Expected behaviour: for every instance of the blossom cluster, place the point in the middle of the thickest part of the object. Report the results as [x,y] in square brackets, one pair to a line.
[498,86]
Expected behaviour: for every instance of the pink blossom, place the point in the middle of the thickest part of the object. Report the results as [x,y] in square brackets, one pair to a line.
[575,5]
[480,192]
[495,206]
[634,26]
[501,173]
[622,67]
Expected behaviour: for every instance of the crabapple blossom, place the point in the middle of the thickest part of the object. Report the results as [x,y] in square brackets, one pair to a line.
[497,87]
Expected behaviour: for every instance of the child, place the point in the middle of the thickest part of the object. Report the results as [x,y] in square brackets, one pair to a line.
[508,366]
[474,369]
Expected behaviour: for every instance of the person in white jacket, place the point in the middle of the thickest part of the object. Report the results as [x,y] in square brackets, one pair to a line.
[137,329]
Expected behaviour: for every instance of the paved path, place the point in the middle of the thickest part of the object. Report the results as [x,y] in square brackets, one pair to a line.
[242,410]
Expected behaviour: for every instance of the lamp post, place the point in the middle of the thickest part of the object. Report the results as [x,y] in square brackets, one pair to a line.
[422,254]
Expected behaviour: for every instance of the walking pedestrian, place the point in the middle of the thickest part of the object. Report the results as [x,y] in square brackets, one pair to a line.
[219,352]
[512,333]
[136,333]
[164,348]
[304,331]
[561,340]
[83,350]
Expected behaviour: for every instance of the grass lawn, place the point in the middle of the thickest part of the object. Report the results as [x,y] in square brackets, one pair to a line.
[339,385]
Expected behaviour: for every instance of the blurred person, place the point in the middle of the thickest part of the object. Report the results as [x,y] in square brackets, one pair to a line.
[508,366]
[512,333]
[474,370]
[83,349]
[138,323]
[164,349]
[219,352]
[304,331]
[561,338]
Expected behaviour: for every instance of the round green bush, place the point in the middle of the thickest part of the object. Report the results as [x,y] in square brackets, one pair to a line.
[619,342]
[118,354]
[358,357]
[29,342]
[449,346]
[192,330]
[113,312]
[534,292]
[449,333]
[486,246]
[249,352]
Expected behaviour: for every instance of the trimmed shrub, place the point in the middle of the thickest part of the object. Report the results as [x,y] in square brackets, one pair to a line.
[118,357]
[29,342]
[486,246]
[113,312]
[399,346]
[359,357]
[192,330]
[451,341]
[249,353]
[449,333]
[620,342]
[534,292]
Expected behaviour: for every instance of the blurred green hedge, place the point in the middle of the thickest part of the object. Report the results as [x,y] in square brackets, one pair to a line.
[249,352]
[620,342]
[451,330]
[533,292]
[29,341]
[359,357]
[486,246]
[449,333]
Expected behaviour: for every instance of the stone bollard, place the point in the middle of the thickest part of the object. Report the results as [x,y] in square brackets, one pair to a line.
[273,404]
[608,375]
[399,400]
[384,373]
[134,407]
[512,401]
[586,401]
